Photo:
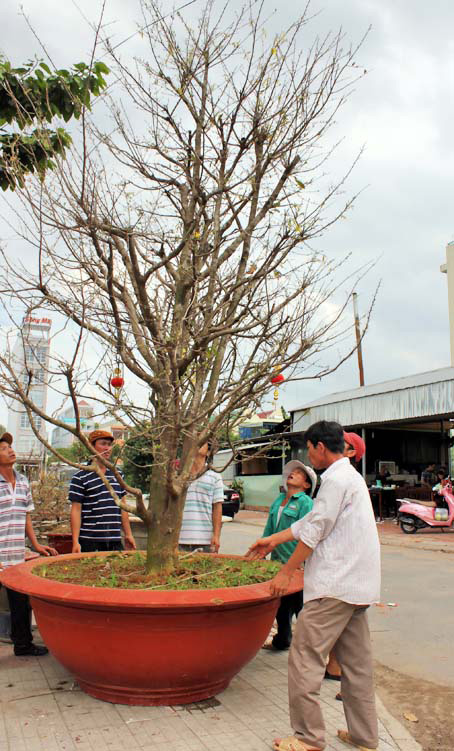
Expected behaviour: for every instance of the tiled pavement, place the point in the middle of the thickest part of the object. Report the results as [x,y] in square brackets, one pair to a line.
[42,710]
[388,531]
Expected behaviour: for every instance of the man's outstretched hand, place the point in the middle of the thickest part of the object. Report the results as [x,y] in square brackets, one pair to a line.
[261,548]
[281,582]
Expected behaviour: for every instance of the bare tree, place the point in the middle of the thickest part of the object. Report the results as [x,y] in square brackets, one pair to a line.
[179,241]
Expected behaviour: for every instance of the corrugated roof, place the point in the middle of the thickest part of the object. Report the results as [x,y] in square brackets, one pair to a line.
[384,387]
[423,395]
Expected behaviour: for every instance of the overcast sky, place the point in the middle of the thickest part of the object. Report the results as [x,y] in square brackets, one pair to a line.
[402,112]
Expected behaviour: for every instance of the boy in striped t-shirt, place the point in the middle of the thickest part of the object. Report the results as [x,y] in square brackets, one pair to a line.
[96,520]
[16,505]
[202,515]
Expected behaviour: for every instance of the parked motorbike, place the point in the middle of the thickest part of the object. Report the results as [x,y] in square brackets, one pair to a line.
[413,515]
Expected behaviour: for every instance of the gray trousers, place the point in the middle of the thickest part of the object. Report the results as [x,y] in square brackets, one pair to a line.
[322,625]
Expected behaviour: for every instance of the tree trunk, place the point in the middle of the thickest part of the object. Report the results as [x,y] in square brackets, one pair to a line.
[163,523]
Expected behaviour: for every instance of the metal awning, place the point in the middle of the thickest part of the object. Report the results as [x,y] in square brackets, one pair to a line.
[417,398]
[246,446]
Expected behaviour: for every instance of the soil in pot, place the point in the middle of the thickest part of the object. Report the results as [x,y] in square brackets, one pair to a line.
[127,571]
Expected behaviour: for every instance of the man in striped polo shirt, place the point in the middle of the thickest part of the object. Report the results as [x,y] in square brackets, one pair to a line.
[16,505]
[96,520]
[202,515]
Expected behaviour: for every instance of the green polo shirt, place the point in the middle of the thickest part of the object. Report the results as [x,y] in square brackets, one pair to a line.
[298,506]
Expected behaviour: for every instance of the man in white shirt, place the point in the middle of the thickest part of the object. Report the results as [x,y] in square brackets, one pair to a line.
[339,542]
[202,515]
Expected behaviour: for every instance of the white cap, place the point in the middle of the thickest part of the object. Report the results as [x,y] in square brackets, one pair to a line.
[295,464]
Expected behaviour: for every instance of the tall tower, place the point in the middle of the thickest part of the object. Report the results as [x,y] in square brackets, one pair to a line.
[31,360]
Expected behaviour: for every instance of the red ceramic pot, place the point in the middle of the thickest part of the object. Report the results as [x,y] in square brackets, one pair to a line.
[148,647]
[61,541]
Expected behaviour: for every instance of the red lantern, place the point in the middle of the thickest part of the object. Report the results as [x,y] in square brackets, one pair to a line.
[117,382]
[277,379]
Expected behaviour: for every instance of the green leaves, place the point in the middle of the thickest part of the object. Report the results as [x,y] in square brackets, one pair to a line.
[34,95]
[25,154]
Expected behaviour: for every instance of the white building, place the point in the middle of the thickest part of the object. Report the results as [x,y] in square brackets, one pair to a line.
[31,361]
[61,438]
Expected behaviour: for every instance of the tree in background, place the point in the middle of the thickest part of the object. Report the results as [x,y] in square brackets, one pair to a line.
[31,97]
[77,452]
[50,498]
[179,243]
[138,459]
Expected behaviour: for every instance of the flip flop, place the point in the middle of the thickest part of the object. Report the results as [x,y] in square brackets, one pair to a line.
[291,743]
[345,736]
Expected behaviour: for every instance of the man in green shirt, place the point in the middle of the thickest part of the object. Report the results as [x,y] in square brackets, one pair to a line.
[299,482]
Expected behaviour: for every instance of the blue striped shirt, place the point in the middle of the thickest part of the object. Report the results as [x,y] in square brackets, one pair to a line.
[101,517]
[202,494]
[15,504]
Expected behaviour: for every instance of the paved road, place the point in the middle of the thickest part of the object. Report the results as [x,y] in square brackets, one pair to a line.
[416,637]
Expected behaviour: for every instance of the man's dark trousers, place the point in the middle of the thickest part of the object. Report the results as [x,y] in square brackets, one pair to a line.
[290,606]
[99,546]
[21,618]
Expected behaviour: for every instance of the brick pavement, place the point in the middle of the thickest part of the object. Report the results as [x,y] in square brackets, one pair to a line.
[43,710]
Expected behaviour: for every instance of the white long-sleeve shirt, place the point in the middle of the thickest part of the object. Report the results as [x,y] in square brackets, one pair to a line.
[341,530]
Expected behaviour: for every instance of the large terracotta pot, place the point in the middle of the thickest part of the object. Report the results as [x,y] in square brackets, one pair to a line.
[148,647]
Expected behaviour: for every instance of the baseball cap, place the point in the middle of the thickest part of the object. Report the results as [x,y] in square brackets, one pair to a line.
[95,435]
[356,442]
[7,438]
[295,464]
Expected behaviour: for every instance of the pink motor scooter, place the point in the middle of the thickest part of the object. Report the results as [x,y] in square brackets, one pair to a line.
[413,515]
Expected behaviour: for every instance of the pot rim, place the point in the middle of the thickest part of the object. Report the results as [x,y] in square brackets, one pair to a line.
[22,579]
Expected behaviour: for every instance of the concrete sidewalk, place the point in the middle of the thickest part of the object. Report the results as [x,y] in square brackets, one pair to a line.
[43,710]
[388,531]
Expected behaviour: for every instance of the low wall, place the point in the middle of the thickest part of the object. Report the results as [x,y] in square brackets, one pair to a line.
[260,490]
[139,532]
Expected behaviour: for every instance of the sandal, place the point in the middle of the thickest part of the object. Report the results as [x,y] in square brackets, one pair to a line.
[345,736]
[291,743]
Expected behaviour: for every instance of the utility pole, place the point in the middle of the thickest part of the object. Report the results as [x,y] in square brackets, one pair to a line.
[358,339]
[361,369]
[448,269]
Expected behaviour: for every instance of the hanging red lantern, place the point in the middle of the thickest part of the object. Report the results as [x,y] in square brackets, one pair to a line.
[117,382]
[279,378]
